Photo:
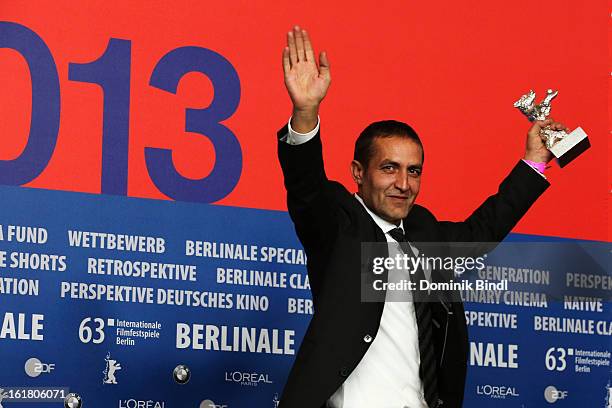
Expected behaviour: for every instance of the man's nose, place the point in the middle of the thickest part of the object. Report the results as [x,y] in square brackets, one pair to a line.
[401,181]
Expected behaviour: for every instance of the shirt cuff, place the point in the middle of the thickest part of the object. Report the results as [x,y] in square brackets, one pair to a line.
[534,169]
[294,138]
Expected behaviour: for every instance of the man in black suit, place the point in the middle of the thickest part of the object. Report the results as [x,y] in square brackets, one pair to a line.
[378,354]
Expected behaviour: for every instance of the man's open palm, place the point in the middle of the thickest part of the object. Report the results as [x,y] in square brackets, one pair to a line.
[306,82]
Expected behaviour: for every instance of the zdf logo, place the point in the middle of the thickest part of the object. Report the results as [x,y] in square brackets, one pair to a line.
[34,367]
[552,394]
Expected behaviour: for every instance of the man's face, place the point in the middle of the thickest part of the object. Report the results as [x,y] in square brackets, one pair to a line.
[392,179]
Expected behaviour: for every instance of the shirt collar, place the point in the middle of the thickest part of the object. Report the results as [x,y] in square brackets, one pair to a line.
[384,225]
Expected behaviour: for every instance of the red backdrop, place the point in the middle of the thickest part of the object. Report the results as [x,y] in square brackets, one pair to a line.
[450,69]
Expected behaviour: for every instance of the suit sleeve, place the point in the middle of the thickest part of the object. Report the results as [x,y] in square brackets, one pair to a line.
[310,206]
[496,217]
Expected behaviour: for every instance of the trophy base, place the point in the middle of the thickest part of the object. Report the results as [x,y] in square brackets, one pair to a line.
[570,147]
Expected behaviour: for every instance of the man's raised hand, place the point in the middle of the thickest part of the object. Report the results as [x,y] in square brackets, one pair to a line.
[306,82]
[536,150]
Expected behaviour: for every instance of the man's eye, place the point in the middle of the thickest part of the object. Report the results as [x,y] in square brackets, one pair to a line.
[388,168]
[415,171]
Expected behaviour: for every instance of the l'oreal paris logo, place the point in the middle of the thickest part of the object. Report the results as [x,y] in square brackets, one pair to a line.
[496,391]
[250,379]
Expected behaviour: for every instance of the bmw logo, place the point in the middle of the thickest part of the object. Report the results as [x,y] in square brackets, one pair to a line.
[73,400]
[181,374]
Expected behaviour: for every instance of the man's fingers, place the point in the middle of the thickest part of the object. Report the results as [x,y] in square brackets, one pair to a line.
[286,60]
[540,124]
[558,126]
[544,123]
[299,43]
[292,49]
[551,123]
[308,47]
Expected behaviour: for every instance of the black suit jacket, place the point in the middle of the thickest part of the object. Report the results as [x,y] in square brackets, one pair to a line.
[332,224]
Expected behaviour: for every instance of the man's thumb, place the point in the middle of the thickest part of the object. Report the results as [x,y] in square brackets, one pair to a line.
[324,63]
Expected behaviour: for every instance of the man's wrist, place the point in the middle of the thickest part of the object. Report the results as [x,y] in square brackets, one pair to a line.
[538,157]
[295,138]
[304,120]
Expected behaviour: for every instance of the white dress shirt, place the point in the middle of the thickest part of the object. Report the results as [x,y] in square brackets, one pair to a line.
[388,374]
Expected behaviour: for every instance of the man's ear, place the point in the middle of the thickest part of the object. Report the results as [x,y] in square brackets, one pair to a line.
[357,171]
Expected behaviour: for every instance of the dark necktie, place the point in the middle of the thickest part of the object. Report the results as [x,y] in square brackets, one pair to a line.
[427,369]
